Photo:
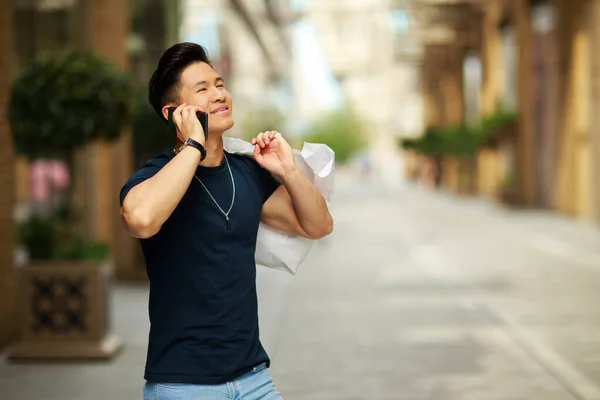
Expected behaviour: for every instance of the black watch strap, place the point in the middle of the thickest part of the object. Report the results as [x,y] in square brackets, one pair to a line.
[192,143]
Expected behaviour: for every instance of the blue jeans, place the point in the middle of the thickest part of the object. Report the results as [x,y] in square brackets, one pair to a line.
[255,385]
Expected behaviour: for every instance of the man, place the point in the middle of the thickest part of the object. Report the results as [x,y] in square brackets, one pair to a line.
[196,210]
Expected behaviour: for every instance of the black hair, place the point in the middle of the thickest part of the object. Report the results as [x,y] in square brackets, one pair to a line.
[162,88]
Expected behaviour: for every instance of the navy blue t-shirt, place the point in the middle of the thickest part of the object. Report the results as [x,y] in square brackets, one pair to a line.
[203,303]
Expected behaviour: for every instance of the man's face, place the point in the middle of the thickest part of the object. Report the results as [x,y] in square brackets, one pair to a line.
[201,86]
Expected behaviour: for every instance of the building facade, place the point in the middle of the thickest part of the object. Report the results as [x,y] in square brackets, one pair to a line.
[537,59]
[250,49]
[369,48]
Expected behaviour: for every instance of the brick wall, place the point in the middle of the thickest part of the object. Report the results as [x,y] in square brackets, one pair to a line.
[7,272]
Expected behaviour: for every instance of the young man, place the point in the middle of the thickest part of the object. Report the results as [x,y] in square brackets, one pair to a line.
[196,210]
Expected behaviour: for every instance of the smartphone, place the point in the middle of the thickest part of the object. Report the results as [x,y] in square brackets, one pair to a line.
[202,116]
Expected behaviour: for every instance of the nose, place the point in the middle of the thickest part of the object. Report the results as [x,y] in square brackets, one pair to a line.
[218,95]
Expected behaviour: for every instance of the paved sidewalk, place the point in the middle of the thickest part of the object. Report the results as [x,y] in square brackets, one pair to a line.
[416,296]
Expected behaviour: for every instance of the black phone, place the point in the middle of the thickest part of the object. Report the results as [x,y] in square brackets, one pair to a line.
[202,116]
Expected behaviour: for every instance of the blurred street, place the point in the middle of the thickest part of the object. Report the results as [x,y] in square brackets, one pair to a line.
[417,295]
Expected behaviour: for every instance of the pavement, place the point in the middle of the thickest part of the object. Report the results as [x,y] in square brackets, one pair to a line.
[417,295]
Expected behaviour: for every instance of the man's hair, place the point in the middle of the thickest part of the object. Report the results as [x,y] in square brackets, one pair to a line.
[164,83]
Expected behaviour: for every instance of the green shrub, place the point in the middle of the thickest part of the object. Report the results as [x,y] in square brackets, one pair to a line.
[430,144]
[462,139]
[62,101]
[261,119]
[38,236]
[342,130]
[52,239]
[492,127]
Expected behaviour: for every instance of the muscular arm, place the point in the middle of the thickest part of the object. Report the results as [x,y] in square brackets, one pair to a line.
[148,205]
[298,208]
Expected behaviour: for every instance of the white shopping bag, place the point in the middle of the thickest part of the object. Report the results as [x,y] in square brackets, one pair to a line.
[276,249]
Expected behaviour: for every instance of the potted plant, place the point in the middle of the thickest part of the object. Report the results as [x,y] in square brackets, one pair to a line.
[59,103]
[496,128]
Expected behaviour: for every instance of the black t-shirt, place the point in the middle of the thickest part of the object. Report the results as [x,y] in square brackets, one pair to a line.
[203,303]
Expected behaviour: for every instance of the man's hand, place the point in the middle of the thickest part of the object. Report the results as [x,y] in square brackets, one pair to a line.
[187,123]
[273,153]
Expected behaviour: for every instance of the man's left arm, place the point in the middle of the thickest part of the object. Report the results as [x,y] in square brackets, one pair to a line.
[298,208]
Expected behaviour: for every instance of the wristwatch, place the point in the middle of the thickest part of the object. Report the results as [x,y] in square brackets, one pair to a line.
[192,143]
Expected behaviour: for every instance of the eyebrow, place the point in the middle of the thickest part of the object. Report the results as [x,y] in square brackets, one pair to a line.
[217,79]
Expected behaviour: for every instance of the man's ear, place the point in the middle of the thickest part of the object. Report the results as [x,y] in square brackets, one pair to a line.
[165,111]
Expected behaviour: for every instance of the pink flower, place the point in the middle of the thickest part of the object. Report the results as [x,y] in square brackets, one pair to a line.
[45,174]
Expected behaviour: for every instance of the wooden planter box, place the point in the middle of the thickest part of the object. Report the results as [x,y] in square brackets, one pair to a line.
[64,312]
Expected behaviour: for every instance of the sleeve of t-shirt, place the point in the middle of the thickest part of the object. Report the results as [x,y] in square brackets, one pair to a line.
[269,184]
[146,172]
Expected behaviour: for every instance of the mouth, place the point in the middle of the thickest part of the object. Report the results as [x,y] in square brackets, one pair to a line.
[224,110]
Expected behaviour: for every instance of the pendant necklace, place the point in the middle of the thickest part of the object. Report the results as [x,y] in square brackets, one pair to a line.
[226,214]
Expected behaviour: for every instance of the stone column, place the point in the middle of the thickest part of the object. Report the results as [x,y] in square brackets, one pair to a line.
[451,85]
[433,112]
[521,15]
[430,90]
[594,31]
[491,92]
[451,88]
[104,29]
[573,158]
[7,163]
[491,59]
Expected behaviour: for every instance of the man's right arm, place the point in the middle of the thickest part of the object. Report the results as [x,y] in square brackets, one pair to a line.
[148,204]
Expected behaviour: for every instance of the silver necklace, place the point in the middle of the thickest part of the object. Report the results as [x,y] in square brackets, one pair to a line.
[226,214]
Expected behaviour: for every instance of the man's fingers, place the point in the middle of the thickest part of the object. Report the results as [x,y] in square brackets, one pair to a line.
[177,118]
[256,154]
[202,109]
[187,112]
[264,138]
[267,137]
[261,139]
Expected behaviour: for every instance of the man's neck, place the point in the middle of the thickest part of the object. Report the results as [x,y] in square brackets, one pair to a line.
[214,151]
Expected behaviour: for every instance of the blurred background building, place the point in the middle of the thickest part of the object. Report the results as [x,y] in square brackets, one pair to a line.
[531,63]
[374,60]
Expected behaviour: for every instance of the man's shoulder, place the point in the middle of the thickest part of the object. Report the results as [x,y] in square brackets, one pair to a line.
[243,161]
[148,170]
[155,163]
[160,160]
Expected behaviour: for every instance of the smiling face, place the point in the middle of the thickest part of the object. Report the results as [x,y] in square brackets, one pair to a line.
[201,86]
